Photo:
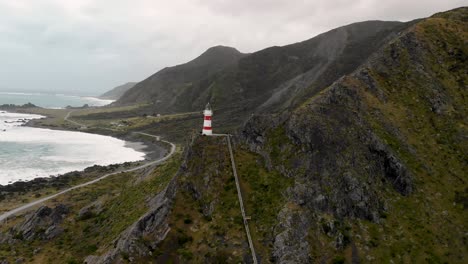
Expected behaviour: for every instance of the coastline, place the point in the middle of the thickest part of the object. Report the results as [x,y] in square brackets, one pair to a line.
[49,100]
[152,150]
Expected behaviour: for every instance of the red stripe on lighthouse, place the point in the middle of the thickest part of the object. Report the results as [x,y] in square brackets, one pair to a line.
[207,117]
[206,128]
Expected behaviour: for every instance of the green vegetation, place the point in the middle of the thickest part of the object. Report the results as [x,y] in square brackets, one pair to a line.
[413,97]
[421,118]
[264,196]
[206,217]
[18,193]
[116,202]
[427,226]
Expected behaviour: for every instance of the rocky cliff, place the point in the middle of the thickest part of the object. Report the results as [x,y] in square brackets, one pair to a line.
[130,243]
[379,149]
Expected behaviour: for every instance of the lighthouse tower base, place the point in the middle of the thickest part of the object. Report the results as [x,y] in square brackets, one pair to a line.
[207,132]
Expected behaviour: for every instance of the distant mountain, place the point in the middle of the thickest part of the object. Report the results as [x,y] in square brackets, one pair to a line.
[169,86]
[118,91]
[268,80]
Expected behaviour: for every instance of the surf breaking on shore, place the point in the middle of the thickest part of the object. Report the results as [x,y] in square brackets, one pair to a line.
[27,153]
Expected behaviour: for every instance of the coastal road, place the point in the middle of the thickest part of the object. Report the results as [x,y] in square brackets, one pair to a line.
[10,213]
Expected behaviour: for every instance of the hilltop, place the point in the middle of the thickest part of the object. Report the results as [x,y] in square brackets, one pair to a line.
[174,85]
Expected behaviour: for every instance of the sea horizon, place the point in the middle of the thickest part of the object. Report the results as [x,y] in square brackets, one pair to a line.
[50,100]
[42,91]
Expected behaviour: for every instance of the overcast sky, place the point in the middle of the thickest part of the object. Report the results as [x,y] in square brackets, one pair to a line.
[90,46]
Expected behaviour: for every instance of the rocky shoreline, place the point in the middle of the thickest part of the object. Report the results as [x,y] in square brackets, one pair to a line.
[58,182]
[149,146]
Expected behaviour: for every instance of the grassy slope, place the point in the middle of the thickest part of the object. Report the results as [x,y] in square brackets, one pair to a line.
[218,237]
[205,222]
[413,96]
[19,193]
[429,225]
[123,199]
[263,192]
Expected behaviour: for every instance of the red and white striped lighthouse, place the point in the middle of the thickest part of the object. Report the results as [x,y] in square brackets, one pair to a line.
[208,113]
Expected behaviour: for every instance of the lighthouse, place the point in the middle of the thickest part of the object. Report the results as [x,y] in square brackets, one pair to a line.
[208,113]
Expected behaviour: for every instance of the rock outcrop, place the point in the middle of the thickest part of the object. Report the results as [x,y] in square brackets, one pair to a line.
[42,224]
[153,224]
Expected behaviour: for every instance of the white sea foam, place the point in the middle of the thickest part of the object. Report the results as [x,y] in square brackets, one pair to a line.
[98,101]
[27,153]
[9,120]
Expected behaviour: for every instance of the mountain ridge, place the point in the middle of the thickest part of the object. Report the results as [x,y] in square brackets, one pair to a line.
[163,86]
[270,78]
[117,92]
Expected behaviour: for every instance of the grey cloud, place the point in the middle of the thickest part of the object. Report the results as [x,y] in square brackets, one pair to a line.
[89,46]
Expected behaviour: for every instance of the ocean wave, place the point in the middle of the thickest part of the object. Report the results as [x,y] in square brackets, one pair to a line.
[11,120]
[101,102]
[28,153]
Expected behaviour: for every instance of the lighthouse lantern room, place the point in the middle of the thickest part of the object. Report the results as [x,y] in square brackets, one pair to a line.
[208,113]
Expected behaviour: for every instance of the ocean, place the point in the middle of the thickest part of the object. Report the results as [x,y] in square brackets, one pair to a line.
[50,100]
[27,153]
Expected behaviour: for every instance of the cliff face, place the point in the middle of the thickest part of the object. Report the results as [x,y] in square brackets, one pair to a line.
[131,242]
[378,148]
